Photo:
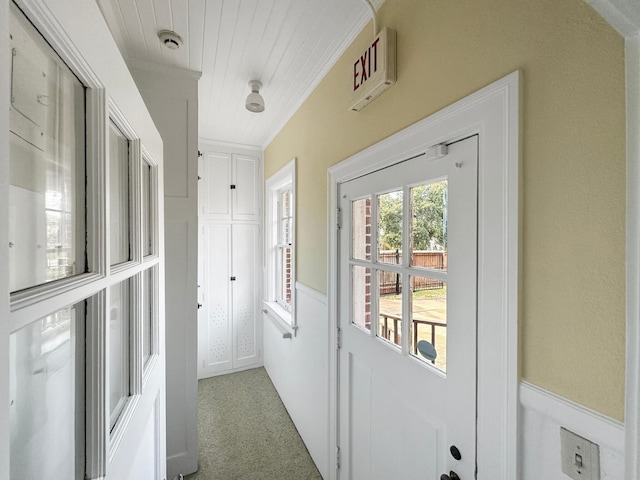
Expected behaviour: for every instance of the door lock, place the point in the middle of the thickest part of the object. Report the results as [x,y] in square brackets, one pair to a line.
[452,476]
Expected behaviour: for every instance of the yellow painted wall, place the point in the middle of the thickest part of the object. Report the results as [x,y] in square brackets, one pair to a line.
[573,168]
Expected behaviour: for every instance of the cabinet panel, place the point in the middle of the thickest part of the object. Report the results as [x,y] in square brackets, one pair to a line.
[246,192]
[214,189]
[215,332]
[245,251]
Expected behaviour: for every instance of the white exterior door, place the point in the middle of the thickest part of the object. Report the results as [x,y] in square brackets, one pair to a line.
[228,330]
[407,360]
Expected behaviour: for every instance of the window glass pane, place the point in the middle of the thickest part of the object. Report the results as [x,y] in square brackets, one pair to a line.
[118,352]
[47,397]
[361,229]
[361,296]
[285,221]
[390,227]
[47,163]
[390,306]
[284,287]
[429,225]
[147,213]
[148,313]
[429,321]
[119,195]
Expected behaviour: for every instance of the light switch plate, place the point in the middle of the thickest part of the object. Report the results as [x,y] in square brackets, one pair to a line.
[580,457]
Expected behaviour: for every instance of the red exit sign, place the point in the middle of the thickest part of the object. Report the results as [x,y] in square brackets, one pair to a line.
[374,70]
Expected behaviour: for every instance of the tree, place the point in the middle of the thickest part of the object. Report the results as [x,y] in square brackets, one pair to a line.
[429,218]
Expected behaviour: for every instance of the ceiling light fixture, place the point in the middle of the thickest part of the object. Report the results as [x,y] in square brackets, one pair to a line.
[255,102]
[170,39]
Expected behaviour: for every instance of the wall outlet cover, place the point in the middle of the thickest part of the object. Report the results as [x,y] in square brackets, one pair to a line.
[580,457]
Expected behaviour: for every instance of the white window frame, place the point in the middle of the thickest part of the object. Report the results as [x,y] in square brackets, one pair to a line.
[283,315]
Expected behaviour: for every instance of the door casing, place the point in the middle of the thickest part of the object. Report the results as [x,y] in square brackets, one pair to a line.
[493,114]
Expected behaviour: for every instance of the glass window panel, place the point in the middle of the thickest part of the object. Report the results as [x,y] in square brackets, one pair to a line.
[119,195]
[148,313]
[429,321]
[147,213]
[390,306]
[361,229]
[284,283]
[118,352]
[361,296]
[429,225]
[47,163]
[390,227]
[47,397]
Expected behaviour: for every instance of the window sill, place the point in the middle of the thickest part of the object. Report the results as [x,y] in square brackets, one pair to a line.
[281,318]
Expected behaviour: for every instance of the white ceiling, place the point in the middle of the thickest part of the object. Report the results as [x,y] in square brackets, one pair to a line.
[289,45]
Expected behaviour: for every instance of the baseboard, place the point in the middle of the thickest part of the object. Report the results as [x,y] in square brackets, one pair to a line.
[181,464]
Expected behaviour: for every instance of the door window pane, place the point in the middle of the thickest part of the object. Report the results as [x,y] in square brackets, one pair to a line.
[119,196]
[118,352]
[361,296]
[361,229]
[429,225]
[147,210]
[46,403]
[390,227]
[429,321]
[47,163]
[148,313]
[390,306]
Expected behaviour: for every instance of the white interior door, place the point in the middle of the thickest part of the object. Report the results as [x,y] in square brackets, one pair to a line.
[407,362]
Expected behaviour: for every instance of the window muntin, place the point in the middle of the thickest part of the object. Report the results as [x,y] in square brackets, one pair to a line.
[47,396]
[149,314]
[47,207]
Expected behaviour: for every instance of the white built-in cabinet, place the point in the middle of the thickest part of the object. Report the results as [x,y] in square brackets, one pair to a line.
[229,193]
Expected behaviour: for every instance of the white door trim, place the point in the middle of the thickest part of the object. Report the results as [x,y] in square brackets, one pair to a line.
[493,113]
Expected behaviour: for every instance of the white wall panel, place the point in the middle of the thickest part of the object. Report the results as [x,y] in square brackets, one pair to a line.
[299,369]
[541,416]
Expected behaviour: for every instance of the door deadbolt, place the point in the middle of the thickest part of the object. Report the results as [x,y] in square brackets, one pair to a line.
[455,453]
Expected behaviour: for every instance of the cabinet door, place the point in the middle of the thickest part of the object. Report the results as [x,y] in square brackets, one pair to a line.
[214,338]
[215,186]
[245,294]
[246,194]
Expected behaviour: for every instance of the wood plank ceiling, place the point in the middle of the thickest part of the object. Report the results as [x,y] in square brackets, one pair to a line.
[289,45]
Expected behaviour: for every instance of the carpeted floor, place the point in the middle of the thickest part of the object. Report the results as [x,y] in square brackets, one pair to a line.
[245,433]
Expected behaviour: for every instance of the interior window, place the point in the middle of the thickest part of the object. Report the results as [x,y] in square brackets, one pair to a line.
[47,212]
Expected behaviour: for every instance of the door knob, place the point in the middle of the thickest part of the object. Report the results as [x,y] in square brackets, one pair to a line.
[452,476]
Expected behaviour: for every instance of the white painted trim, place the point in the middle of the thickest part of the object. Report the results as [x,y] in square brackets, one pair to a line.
[208,145]
[283,177]
[317,295]
[632,406]
[581,420]
[493,114]
[614,13]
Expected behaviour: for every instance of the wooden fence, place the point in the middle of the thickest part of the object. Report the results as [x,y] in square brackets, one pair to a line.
[390,282]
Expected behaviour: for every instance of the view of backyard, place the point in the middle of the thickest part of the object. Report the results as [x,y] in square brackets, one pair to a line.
[427,306]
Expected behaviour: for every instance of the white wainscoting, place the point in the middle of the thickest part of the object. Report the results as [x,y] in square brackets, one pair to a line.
[299,369]
[541,416]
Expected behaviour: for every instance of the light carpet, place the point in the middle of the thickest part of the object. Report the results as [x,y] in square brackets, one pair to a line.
[245,433]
